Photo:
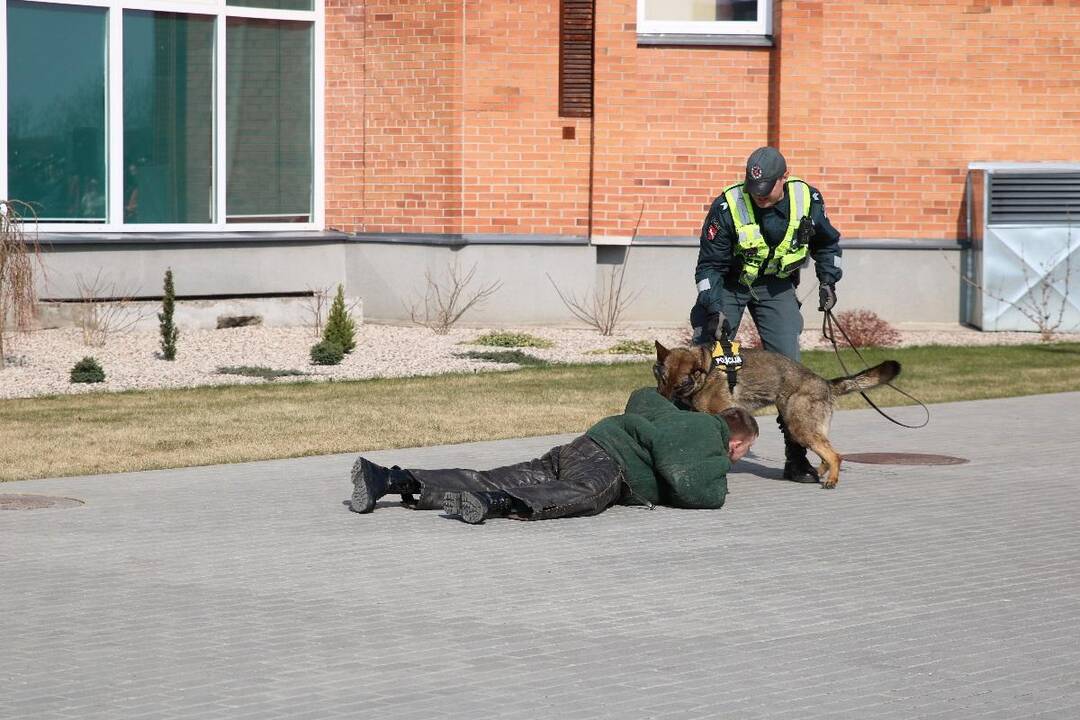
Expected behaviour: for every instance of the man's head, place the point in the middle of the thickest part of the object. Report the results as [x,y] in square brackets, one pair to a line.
[766,171]
[744,431]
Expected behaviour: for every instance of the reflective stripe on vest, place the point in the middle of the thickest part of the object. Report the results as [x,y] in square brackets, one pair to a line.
[756,255]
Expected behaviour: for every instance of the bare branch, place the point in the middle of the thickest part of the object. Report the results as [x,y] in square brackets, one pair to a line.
[106,310]
[445,304]
[608,302]
[18,252]
[317,304]
[1037,302]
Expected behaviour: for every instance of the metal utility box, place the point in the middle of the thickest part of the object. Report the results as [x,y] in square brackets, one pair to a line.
[1023,268]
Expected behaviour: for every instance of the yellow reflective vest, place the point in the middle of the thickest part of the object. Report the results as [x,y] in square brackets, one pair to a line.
[756,255]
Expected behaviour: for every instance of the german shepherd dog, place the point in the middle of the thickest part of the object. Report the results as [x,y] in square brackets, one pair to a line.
[803,398]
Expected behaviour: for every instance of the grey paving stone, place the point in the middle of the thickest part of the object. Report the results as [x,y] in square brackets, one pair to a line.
[249,591]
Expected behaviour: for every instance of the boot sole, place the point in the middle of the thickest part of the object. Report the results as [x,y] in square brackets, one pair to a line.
[362,500]
[464,505]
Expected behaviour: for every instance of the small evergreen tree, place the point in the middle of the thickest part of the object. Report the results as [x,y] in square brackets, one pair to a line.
[327,352]
[169,332]
[339,325]
[87,370]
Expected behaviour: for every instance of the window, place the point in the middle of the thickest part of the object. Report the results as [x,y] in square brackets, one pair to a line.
[705,17]
[268,96]
[56,110]
[123,117]
[576,20]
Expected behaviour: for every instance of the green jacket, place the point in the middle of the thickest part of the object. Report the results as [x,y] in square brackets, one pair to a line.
[671,456]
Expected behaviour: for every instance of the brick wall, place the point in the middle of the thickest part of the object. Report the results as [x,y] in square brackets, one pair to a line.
[911,92]
[443,117]
[394,115]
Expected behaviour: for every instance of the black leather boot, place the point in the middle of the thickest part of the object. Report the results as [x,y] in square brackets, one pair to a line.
[476,507]
[797,467]
[371,482]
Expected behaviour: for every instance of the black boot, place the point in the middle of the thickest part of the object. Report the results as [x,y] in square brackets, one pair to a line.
[476,507]
[371,482]
[797,467]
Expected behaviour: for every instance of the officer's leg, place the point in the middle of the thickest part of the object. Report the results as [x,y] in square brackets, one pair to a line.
[775,309]
[776,312]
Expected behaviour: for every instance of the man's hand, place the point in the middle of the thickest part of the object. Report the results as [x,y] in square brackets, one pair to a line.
[826,297]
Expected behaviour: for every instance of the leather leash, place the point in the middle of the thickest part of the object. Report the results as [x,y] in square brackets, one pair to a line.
[828,323]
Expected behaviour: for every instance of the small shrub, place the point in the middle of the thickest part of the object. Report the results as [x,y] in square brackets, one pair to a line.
[505,356]
[257,371]
[864,328]
[169,333]
[340,328]
[511,339]
[628,347]
[327,352]
[87,370]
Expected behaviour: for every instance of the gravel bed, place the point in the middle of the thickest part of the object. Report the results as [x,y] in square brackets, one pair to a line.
[39,363]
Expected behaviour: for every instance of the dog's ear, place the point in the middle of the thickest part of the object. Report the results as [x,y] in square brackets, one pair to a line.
[661,352]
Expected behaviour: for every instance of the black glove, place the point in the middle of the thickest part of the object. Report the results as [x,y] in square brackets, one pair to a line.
[826,297]
[806,232]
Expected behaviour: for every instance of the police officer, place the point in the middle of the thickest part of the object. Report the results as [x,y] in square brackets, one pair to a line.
[756,237]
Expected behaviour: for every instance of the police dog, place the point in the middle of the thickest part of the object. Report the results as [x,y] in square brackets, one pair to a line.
[803,398]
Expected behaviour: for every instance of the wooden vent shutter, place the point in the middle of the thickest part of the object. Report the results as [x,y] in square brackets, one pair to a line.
[576,58]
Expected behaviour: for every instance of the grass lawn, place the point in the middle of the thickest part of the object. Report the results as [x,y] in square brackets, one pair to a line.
[117,432]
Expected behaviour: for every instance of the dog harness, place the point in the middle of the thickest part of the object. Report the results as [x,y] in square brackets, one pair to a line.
[756,255]
[725,354]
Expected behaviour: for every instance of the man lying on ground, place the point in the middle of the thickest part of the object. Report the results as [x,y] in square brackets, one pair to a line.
[654,453]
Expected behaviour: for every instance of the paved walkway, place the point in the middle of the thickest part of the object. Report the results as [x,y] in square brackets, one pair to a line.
[250,592]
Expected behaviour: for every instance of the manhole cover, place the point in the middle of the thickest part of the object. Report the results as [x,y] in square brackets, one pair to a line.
[10,501]
[904,459]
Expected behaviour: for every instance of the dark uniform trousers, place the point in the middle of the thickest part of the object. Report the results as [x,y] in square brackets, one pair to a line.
[578,478]
[774,306]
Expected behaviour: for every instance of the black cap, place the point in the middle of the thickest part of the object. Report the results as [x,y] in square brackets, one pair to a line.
[763,168]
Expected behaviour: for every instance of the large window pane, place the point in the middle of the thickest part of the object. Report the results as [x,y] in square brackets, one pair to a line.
[275,4]
[168,117]
[700,10]
[56,110]
[268,121]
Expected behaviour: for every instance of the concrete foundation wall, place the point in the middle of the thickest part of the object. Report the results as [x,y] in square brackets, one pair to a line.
[136,268]
[393,280]
[900,285]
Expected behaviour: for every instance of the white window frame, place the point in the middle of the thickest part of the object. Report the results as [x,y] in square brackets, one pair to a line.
[114,114]
[762,26]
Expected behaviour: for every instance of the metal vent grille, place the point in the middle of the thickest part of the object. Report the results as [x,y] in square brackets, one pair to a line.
[576,58]
[1040,198]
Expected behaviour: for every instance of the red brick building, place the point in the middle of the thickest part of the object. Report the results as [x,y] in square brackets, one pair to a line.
[262,148]
[443,117]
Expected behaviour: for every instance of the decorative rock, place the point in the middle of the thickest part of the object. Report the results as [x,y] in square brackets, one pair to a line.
[235,321]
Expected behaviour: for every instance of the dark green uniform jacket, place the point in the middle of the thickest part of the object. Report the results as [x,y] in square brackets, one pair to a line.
[717,261]
[671,456]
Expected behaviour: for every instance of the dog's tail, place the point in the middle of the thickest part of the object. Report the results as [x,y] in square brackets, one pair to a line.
[877,375]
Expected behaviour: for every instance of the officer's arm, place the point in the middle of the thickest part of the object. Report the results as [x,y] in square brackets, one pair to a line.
[825,247]
[714,254]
